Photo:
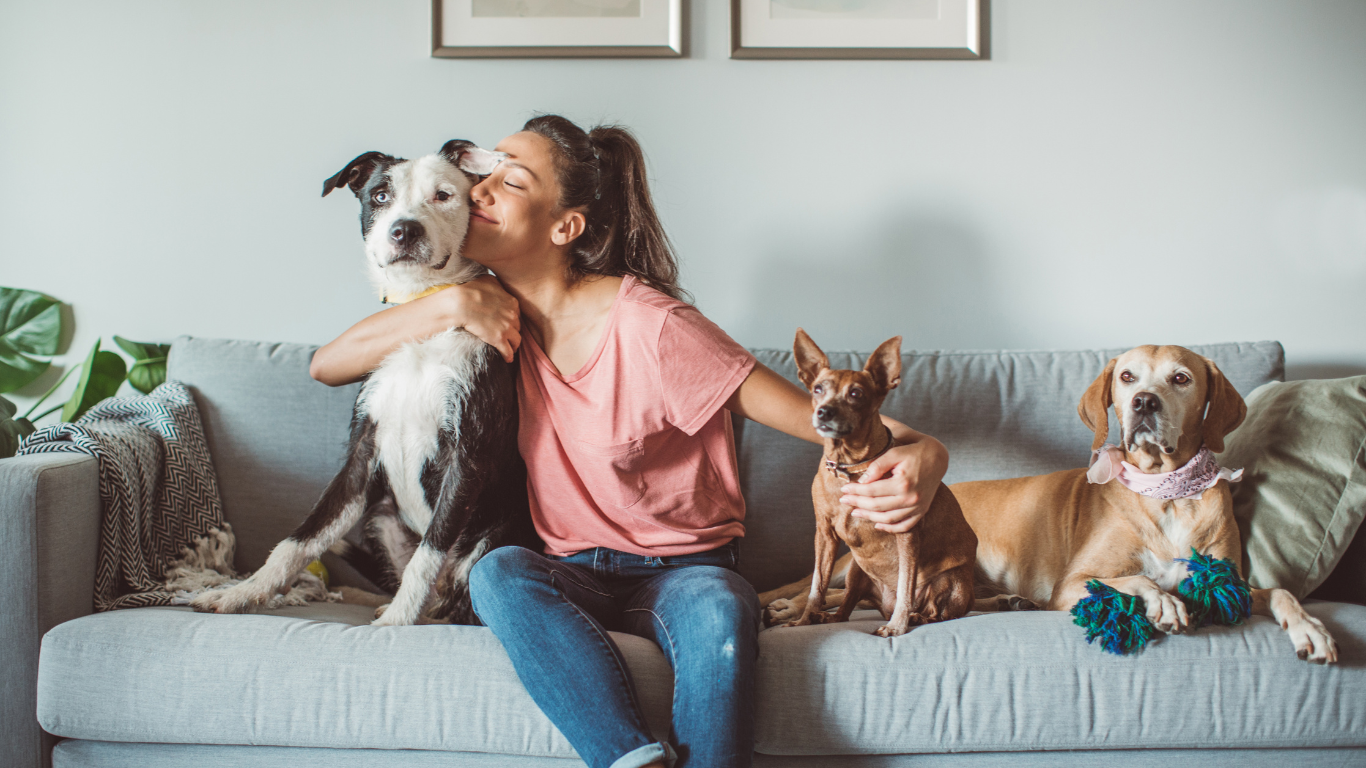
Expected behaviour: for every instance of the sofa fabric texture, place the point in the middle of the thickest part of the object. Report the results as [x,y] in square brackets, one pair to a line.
[166,686]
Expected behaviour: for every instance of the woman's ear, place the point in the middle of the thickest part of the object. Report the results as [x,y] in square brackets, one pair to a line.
[1094,408]
[567,228]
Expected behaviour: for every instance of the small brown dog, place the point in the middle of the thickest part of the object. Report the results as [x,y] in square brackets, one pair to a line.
[917,577]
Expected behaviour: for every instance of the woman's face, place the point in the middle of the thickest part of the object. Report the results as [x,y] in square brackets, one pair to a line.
[515,212]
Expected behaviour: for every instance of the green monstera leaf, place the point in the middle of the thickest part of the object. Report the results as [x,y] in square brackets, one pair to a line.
[12,430]
[149,363]
[30,324]
[101,374]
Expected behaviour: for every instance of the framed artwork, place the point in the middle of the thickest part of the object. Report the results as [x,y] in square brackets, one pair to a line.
[858,29]
[556,28]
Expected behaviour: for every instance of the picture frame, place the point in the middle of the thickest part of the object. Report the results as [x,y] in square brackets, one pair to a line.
[859,29]
[557,28]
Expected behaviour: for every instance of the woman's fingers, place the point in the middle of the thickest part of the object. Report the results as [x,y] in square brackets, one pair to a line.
[484,309]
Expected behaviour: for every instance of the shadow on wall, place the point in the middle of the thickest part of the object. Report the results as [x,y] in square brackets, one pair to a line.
[923,277]
[1322,371]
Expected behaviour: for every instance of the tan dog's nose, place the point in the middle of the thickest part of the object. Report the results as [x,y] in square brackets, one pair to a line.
[1146,403]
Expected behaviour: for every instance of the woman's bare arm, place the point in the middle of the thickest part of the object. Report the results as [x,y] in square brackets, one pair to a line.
[913,469]
[480,306]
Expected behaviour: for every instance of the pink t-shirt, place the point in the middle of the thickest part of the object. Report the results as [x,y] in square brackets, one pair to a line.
[635,451]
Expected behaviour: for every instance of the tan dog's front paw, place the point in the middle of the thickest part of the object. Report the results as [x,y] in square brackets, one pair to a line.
[780,611]
[887,630]
[1166,612]
[1312,641]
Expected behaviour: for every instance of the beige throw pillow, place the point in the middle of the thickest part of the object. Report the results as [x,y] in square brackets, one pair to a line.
[1302,449]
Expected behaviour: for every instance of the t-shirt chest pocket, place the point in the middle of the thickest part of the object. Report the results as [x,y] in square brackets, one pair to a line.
[612,473]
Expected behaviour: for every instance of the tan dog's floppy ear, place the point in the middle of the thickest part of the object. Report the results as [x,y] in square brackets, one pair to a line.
[810,359]
[1226,408]
[1094,408]
[884,365]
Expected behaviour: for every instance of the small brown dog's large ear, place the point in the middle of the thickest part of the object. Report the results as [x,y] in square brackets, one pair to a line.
[1226,408]
[810,359]
[884,365]
[1094,408]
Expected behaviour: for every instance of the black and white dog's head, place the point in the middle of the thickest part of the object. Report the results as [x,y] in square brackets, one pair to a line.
[415,213]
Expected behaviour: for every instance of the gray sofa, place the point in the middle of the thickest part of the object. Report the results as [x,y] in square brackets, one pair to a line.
[316,686]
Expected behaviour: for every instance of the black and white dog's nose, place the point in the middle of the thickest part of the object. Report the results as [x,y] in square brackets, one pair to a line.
[1146,402]
[405,232]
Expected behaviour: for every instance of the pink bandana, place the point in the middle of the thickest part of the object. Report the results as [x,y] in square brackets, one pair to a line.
[1189,482]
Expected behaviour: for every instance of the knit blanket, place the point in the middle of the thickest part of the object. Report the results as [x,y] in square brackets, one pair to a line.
[163,538]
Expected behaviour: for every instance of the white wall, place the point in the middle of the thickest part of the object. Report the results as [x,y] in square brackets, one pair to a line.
[1118,173]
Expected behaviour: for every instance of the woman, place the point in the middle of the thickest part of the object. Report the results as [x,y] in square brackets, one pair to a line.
[623,391]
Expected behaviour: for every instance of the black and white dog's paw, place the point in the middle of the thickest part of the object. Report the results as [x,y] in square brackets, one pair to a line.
[238,598]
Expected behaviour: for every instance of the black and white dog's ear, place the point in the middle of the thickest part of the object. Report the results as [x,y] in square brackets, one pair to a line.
[356,172]
[471,159]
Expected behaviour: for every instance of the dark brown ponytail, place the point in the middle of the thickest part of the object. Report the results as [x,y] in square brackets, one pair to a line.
[603,172]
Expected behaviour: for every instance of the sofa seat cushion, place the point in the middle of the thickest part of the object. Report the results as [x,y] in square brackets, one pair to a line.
[316,676]
[1029,681]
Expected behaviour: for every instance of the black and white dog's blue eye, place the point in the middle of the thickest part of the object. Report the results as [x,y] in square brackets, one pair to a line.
[380,197]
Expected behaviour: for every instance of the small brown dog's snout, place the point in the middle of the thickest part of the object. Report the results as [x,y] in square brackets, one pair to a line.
[823,413]
[1145,403]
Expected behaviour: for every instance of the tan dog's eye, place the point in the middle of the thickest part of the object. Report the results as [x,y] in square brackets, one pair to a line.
[819,390]
[856,393]
[1181,378]
[1126,377]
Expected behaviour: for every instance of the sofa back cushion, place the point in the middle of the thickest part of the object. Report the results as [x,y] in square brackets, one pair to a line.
[277,436]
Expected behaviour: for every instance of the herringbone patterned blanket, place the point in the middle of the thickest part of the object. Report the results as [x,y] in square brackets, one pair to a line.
[162,534]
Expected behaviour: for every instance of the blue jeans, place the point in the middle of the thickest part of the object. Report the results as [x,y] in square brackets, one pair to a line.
[552,614]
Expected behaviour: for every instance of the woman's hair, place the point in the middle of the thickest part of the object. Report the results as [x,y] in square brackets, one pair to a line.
[603,172]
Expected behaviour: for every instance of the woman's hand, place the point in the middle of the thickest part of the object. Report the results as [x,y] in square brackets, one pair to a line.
[483,308]
[480,306]
[897,488]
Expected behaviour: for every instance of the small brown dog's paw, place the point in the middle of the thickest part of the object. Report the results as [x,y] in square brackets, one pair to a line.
[887,630]
[379,612]
[810,618]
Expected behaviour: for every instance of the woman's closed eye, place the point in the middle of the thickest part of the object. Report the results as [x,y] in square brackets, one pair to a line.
[510,184]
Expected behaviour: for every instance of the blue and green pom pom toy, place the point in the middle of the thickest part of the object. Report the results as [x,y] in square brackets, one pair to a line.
[1118,620]
[1213,592]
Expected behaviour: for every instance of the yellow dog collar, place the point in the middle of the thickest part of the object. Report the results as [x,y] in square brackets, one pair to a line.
[404,298]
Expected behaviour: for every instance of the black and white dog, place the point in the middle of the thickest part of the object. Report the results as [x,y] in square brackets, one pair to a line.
[433,468]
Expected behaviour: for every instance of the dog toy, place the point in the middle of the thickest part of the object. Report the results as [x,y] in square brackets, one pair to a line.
[318,569]
[1120,621]
[1214,593]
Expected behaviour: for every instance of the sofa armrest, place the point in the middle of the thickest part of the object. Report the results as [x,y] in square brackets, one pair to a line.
[49,540]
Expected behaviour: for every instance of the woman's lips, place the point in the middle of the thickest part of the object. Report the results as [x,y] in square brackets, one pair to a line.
[475,213]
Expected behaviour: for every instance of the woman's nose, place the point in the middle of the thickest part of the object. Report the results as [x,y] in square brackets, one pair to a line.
[479,193]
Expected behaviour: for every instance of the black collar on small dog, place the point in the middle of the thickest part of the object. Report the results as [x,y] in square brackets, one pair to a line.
[843,469]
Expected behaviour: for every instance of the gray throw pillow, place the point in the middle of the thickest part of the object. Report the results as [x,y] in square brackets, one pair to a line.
[1302,449]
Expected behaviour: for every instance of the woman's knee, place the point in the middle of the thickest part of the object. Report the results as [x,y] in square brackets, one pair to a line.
[724,610]
[496,573]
